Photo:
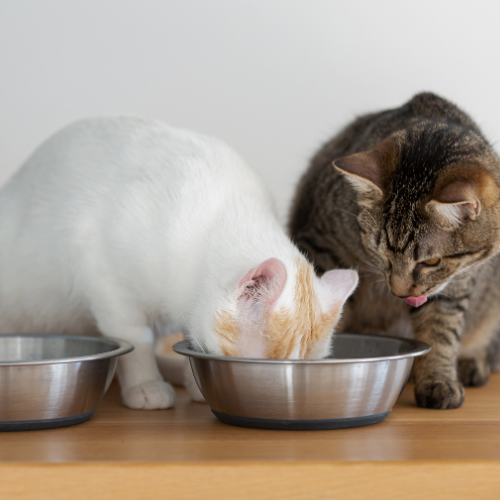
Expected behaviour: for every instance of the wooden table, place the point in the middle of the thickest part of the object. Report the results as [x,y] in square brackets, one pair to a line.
[185,453]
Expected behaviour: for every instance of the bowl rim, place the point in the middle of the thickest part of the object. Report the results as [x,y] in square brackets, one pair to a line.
[121,347]
[419,349]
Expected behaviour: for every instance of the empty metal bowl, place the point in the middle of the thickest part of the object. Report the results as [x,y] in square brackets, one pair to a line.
[49,381]
[358,385]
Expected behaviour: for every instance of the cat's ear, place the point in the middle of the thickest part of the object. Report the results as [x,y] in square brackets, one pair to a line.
[340,283]
[455,203]
[366,171]
[258,292]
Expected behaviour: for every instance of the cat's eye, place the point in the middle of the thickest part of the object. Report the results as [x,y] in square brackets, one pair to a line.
[431,262]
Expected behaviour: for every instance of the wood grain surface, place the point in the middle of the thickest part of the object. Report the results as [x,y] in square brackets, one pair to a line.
[186,453]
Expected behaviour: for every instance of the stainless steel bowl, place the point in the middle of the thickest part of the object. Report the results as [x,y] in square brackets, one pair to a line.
[49,381]
[358,385]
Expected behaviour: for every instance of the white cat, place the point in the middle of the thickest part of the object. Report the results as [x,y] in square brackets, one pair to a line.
[129,226]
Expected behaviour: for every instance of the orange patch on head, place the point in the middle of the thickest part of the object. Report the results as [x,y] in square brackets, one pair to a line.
[306,324]
[227,330]
[303,324]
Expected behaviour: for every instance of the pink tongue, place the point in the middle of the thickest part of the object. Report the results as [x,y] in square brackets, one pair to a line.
[416,301]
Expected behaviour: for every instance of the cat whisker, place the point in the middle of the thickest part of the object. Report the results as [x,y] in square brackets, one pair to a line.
[372,269]
[355,216]
[368,263]
[371,216]
[192,335]
[444,295]
[347,212]
[369,274]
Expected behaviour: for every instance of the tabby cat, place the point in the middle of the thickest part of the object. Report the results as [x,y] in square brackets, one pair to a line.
[410,197]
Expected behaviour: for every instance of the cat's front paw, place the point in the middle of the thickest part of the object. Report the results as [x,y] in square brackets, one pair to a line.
[439,394]
[154,395]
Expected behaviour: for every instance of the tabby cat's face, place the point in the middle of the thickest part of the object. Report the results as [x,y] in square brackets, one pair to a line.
[418,260]
[429,206]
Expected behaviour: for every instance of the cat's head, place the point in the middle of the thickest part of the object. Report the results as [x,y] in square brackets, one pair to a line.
[429,203]
[277,314]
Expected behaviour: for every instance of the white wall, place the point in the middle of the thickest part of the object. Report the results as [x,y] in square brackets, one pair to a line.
[272,78]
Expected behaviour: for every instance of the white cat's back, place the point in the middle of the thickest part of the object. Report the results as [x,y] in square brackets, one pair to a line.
[95,196]
[98,156]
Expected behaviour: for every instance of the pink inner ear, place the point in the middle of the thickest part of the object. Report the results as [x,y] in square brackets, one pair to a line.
[458,200]
[271,275]
[362,165]
[368,166]
[247,277]
[341,283]
[258,291]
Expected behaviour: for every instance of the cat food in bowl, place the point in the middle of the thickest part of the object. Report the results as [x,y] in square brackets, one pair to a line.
[49,381]
[357,385]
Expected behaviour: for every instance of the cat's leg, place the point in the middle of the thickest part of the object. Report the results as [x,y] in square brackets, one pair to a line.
[440,324]
[142,385]
[177,370]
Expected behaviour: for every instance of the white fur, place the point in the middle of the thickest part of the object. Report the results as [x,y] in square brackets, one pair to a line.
[127,226]
[450,212]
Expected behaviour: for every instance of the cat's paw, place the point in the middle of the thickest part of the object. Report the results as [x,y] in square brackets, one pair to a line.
[191,386]
[154,395]
[473,372]
[439,394]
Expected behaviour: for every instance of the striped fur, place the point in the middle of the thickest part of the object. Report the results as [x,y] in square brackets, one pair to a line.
[413,184]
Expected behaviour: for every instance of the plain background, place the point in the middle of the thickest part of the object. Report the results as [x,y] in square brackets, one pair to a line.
[274,79]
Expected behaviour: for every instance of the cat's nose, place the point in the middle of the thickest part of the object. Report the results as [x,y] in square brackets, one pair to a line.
[398,287]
